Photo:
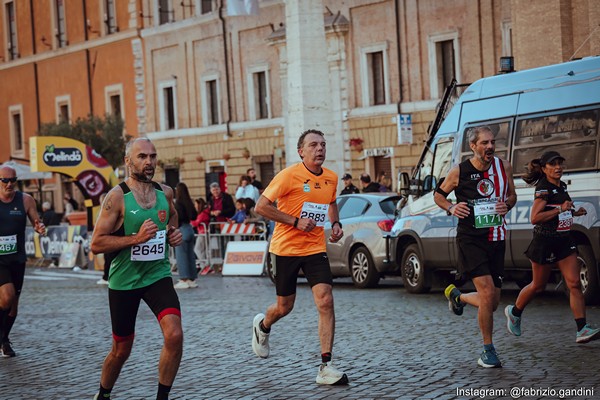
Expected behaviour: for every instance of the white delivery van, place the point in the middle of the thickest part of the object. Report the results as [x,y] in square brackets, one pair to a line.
[550,108]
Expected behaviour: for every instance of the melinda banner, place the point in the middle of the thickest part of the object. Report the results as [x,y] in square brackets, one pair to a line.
[56,240]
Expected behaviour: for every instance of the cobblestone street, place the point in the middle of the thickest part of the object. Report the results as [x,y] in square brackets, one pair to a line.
[392,345]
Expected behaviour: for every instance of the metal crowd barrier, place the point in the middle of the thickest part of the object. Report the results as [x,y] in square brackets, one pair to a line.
[220,233]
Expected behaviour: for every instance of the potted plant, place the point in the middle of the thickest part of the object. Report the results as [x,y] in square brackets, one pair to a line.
[226,156]
[199,158]
[245,153]
[356,144]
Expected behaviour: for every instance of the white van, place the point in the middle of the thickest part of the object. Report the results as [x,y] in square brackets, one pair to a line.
[533,111]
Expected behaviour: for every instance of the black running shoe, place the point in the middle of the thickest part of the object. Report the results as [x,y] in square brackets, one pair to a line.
[7,351]
[454,304]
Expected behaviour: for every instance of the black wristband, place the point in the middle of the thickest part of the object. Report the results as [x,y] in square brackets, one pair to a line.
[296,222]
[508,207]
[336,222]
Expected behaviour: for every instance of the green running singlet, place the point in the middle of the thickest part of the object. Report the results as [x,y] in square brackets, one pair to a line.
[141,265]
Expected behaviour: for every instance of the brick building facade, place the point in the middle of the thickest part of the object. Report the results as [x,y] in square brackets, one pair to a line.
[211,89]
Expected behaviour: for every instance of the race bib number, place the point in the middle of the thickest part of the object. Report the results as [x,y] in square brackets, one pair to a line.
[565,221]
[152,250]
[486,216]
[316,212]
[8,245]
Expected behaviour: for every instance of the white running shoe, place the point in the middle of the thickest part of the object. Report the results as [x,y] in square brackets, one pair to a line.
[260,340]
[329,375]
[192,284]
[181,285]
[101,281]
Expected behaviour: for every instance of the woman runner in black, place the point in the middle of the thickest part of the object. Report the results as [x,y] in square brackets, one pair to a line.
[552,214]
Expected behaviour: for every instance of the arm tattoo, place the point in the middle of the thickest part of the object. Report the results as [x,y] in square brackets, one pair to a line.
[108,204]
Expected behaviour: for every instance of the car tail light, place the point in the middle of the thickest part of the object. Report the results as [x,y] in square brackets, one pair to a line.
[385,225]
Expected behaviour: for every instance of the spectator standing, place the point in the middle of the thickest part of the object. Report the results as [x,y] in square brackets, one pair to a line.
[246,190]
[368,185]
[221,204]
[201,224]
[184,254]
[251,172]
[349,187]
[49,216]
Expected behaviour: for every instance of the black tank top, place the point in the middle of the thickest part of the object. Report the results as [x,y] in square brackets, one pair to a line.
[481,190]
[554,197]
[12,227]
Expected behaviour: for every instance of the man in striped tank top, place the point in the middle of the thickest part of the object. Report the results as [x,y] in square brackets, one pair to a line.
[485,192]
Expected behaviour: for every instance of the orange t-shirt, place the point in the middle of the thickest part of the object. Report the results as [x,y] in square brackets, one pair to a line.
[296,189]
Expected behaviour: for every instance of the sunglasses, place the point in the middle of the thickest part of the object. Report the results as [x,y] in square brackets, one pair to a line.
[6,180]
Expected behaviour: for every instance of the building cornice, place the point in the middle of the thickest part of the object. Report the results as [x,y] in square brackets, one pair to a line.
[71,49]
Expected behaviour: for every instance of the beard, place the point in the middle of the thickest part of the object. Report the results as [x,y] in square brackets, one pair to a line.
[145,177]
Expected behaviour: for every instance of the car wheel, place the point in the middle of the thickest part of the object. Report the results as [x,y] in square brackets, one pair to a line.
[414,276]
[588,275]
[362,269]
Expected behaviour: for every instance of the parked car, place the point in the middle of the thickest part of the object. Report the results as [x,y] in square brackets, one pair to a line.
[360,254]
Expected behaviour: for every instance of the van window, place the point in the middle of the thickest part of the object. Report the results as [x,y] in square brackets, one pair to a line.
[573,134]
[435,165]
[501,131]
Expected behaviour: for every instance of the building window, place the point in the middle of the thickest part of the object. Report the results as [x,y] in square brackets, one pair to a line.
[11,30]
[204,6]
[210,100]
[374,75]
[16,130]
[110,17]
[63,109]
[258,93]
[61,25]
[167,103]
[507,39]
[444,62]
[114,100]
[165,12]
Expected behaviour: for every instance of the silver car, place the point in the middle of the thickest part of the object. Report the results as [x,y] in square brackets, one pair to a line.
[366,218]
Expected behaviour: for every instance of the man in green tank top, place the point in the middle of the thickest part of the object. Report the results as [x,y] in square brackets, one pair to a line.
[136,225]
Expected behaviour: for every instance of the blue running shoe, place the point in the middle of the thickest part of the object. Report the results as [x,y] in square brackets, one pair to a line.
[454,304]
[587,334]
[512,323]
[489,359]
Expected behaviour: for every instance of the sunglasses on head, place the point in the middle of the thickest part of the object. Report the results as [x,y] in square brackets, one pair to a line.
[6,180]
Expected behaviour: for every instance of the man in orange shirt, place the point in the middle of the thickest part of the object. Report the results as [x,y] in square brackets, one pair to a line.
[305,195]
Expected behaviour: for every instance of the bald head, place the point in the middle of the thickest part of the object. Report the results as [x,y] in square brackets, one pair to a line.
[130,144]
[6,171]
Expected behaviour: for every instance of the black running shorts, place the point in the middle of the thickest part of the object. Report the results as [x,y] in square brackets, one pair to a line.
[315,268]
[124,304]
[13,273]
[480,257]
[548,250]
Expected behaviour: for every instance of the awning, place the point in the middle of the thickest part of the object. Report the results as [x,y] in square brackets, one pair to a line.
[24,171]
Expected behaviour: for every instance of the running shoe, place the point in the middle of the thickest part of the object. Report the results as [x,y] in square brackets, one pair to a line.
[329,375]
[7,351]
[454,304]
[513,323]
[181,285]
[260,339]
[587,334]
[489,359]
[97,396]
[101,281]
[192,284]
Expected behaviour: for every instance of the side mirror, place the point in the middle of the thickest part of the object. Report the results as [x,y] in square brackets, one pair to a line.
[404,184]
[429,183]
